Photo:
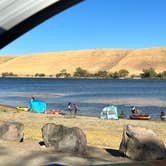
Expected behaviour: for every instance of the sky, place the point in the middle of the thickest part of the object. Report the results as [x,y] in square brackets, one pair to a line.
[92,24]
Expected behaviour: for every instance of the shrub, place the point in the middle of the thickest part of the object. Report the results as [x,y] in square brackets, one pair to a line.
[80,72]
[8,74]
[148,73]
[39,75]
[63,74]
[115,75]
[123,73]
[101,74]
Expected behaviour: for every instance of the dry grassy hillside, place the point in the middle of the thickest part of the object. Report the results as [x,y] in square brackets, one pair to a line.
[4,59]
[92,60]
[137,60]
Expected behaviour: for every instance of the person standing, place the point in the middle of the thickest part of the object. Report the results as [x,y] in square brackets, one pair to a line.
[69,107]
[75,109]
[31,104]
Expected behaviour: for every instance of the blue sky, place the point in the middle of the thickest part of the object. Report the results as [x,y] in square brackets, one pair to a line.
[97,24]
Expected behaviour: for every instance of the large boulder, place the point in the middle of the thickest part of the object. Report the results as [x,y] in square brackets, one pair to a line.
[12,131]
[63,138]
[141,144]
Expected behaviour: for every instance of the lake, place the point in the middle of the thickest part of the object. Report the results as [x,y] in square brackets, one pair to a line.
[90,94]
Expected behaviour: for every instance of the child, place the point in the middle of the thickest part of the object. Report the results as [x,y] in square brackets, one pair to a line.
[69,107]
[75,109]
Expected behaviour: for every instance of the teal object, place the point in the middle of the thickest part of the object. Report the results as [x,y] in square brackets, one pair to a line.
[37,106]
[109,112]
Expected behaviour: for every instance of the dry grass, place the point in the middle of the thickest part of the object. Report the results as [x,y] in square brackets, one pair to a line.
[92,60]
[99,133]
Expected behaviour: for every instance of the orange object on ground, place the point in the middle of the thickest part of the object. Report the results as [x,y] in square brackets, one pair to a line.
[54,112]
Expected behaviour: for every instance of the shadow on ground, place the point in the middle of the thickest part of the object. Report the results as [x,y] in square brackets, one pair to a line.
[114,152]
[10,156]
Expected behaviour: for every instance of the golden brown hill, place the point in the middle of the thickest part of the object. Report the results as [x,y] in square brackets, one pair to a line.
[5,58]
[92,60]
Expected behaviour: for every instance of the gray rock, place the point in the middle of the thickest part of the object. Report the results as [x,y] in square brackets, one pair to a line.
[12,131]
[141,144]
[63,138]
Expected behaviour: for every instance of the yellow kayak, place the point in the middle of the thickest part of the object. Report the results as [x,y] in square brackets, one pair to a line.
[22,108]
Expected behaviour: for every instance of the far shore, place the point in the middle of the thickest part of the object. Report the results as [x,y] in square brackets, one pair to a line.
[84,78]
[71,77]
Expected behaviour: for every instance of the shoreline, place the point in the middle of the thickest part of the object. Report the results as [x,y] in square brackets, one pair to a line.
[86,78]
[101,134]
[3,106]
[93,126]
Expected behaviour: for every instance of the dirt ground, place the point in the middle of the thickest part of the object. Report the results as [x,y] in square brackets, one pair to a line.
[103,137]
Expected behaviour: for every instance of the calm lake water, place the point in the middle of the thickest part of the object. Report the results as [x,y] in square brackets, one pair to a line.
[90,94]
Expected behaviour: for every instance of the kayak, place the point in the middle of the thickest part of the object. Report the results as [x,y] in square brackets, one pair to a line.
[58,112]
[163,117]
[140,117]
[121,116]
[22,108]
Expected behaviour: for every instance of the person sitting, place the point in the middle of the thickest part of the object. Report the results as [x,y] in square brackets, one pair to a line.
[135,111]
[161,115]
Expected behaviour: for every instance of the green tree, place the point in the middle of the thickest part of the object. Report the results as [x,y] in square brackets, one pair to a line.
[80,72]
[39,75]
[123,73]
[115,75]
[63,74]
[101,74]
[148,73]
[8,74]
[134,76]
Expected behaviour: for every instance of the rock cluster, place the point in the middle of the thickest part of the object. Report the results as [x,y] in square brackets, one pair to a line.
[12,131]
[137,143]
[63,138]
[141,144]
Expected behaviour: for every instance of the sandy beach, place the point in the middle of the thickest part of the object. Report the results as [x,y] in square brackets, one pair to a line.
[103,137]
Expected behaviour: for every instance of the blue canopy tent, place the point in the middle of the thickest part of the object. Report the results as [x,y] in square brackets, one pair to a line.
[109,112]
[37,106]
